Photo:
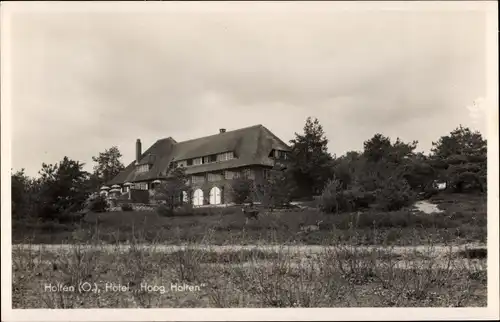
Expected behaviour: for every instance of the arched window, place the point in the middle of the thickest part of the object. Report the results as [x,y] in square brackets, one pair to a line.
[198,197]
[215,196]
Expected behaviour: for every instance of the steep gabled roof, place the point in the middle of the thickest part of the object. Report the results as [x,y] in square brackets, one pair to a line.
[251,146]
[162,151]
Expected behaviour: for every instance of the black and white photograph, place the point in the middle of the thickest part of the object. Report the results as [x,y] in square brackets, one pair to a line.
[249,155]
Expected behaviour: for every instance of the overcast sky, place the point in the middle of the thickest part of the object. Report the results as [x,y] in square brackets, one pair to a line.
[83,82]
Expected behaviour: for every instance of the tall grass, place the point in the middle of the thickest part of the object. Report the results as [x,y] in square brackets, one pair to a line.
[340,276]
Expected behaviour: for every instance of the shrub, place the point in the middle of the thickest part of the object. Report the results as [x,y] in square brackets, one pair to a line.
[185,210]
[242,190]
[98,204]
[428,191]
[165,211]
[329,201]
[127,207]
[277,190]
[466,181]
[334,199]
[356,198]
[394,194]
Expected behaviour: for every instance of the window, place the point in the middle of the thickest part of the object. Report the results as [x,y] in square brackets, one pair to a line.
[225,156]
[182,163]
[214,177]
[189,162]
[279,154]
[198,197]
[248,173]
[215,196]
[210,159]
[197,161]
[142,168]
[141,186]
[197,179]
[229,175]
[267,174]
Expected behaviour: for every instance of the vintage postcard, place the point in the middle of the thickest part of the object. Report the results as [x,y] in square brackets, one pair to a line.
[249,160]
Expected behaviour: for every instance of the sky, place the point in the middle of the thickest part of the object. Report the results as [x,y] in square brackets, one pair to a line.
[82,82]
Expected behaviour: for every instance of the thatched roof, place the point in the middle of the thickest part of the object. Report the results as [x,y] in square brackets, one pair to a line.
[251,146]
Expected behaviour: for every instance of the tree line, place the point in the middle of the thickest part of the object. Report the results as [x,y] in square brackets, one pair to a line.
[61,189]
[387,174]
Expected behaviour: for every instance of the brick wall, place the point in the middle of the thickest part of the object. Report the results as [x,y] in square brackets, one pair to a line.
[225,186]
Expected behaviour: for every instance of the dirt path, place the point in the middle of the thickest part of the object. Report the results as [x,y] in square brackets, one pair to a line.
[303,249]
[427,207]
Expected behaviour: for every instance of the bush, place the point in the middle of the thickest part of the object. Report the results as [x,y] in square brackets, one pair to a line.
[242,189]
[330,200]
[466,181]
[98,204]
[185,210]
[334,199]
[165,211]
[127,207]
[277,191]
[356,198]
[394,194]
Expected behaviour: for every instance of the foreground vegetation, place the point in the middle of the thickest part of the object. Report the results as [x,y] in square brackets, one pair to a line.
[463,221]
[345,276]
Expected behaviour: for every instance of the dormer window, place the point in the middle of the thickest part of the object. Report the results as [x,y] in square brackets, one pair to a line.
[279,155]
[225,156]
[142,168]
[210,159]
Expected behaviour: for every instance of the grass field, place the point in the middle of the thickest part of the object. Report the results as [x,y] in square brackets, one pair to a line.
[463,221]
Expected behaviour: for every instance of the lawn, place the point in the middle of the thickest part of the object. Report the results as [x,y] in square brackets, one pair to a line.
[463,221]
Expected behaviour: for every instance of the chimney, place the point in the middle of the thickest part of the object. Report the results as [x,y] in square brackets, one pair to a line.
[138,151]
[222,130]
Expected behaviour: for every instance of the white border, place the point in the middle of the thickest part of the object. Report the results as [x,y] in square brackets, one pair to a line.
[491,102]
